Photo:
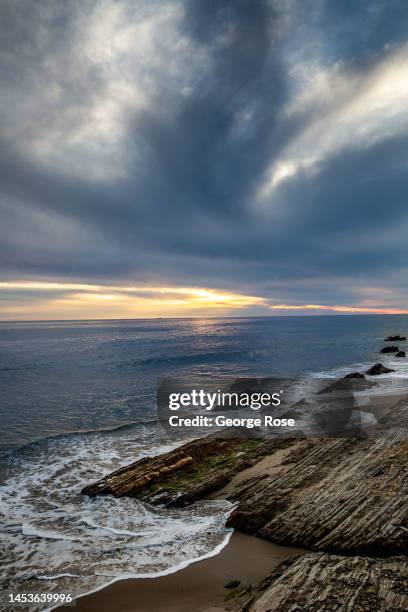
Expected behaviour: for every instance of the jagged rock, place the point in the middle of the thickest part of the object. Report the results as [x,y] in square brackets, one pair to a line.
[400,354]
[355,381]
[337,495]
[378,369]
[319,582]
[390,349]
[395,338]
[185,474]
[341,495]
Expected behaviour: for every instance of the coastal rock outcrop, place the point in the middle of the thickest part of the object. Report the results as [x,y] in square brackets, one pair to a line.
[346,496]
[378,369]
[337,495]
[390,349]
[342,495]
[395,338]
[400,354]
[355,381]
[344,499]
[323,582]
[189,472]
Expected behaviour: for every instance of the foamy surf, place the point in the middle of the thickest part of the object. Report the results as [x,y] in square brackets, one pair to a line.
[73,544]
[392,382]
[169,571]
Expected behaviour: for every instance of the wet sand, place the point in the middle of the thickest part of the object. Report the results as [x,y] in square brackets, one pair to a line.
[197,588]
[200,586]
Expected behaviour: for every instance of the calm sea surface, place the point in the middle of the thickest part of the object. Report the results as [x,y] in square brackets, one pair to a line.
[59,377]
[77,399]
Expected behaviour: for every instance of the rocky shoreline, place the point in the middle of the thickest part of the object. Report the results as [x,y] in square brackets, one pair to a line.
[344,499]
[187,473]
[321,582]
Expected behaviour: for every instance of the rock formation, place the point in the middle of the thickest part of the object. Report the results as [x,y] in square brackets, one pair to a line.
[390,349]
[183,475]
[345,499]
[355,381]
[320,582]
[337,495]
[347,496]
[378,369]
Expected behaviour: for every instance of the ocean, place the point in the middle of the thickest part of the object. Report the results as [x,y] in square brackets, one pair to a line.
[77,400]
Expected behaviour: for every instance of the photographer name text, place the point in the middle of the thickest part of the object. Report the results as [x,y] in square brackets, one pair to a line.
[223,421]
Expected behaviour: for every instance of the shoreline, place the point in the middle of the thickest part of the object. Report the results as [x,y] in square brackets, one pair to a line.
[246,560]
[199,586]
[243,557]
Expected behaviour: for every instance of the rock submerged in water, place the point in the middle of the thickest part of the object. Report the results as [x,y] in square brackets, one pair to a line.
[355,381]
[400,354]
[390,349]
[378,369]
[394,338]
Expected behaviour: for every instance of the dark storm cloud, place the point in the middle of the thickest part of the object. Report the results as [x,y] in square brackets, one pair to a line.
[145,154]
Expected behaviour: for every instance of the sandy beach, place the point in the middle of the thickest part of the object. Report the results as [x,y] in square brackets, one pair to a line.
[245,560]
[199,587]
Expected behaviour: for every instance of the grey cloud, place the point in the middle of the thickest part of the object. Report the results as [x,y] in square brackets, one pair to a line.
[183,209]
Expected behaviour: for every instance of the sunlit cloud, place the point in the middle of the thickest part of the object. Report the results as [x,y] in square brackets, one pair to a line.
[345,109]
[340,309]
[162,158]
[50,300]
[56,300]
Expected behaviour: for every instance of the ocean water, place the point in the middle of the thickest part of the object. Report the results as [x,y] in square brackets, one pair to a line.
[77,400]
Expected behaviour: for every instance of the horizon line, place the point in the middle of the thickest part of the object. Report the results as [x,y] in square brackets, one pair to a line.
[286,316]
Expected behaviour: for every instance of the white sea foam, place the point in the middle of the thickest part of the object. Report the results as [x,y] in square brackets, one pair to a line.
[171,570]
[31,531]
[77,545]
[393,382]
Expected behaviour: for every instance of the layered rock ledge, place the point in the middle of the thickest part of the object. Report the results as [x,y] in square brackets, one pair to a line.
[339,495]
[346,499]
[348,496]
[187,473]
[321,582]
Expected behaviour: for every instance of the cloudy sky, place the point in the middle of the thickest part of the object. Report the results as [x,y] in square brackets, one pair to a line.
[194,158]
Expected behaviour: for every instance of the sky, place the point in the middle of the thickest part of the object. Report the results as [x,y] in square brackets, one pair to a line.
[203,158]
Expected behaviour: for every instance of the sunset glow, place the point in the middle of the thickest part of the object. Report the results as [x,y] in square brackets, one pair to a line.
[26,299]
[86,301]
[344,309]
[239,177]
